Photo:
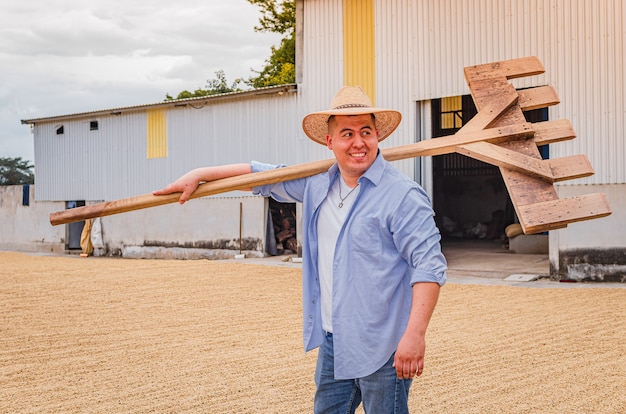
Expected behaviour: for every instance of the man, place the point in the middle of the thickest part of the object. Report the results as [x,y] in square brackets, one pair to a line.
[372,262]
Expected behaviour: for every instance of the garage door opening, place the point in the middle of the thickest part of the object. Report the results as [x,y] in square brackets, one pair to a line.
[470,199]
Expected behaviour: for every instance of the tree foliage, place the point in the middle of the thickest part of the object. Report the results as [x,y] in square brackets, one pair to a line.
[213,87]
[15,171]
[278,16]
[280,67]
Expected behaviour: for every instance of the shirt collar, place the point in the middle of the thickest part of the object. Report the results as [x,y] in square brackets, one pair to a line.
[373,174]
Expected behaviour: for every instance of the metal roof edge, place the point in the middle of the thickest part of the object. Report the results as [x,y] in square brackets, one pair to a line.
[280,89]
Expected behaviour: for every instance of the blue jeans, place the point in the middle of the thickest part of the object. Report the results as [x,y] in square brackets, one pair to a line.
[381,392]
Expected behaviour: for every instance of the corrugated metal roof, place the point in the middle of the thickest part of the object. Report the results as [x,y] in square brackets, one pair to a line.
[176,102]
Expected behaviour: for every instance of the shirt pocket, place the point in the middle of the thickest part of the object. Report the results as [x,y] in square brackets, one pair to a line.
[366,237]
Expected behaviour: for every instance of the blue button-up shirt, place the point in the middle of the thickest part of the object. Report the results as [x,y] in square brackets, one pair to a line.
[388,242]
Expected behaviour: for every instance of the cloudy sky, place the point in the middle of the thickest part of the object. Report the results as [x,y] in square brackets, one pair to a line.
[67,56]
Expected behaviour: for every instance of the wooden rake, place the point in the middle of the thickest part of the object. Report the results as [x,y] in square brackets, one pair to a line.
[498,135]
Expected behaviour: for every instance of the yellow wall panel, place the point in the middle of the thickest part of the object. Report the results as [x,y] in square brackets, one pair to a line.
[359,45]
[156,139]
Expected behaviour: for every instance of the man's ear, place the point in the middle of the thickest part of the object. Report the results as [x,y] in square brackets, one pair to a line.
[329,142]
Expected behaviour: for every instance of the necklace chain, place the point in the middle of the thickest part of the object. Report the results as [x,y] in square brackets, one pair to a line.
[340,205]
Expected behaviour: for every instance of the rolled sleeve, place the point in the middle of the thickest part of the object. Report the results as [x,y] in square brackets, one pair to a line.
[285,191]
[420,276]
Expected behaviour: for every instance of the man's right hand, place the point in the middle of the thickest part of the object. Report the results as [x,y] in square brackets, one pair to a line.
[186,185]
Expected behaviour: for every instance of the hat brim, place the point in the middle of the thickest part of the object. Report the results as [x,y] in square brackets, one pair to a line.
[315,125]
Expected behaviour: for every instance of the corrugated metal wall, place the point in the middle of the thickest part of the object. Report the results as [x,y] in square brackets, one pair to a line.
[359,45]
[580,42]
[322,66]
[422,47]
[450,35]
[395,72]
[111,162]
[156,134]
[587,69]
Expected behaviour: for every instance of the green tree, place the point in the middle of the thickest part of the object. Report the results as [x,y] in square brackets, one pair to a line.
[15,171]
[278,16]
[280,67]
[213,87]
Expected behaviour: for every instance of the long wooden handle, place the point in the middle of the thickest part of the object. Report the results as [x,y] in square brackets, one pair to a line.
[223,185]
[437,146]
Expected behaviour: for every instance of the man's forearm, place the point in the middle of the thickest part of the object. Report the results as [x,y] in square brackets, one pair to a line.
[425,296]
[222,171]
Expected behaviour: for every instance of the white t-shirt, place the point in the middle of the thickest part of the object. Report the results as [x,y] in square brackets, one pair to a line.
[329,224]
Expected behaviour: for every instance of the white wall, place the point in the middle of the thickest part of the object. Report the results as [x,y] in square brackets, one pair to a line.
[605,232]
[26,228]
[594,249]
[207,227]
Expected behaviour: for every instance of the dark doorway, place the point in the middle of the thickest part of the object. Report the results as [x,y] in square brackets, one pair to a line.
[74,230]
[281,237]
[469,196]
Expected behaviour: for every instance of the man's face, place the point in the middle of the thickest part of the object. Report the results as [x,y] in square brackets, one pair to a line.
[354,141]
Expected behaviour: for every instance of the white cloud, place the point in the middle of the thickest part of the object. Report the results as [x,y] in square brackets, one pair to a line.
[72,56]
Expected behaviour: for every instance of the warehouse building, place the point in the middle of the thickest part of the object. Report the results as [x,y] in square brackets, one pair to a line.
[407,55]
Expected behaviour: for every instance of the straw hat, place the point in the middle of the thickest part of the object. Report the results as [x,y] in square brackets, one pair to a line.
[350,100]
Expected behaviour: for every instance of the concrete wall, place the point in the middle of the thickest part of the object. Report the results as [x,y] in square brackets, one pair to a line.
[207,227]
[201,228]
[592,250]
[27,228]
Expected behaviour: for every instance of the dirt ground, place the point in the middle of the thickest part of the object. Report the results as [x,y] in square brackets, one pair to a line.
[103,335]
